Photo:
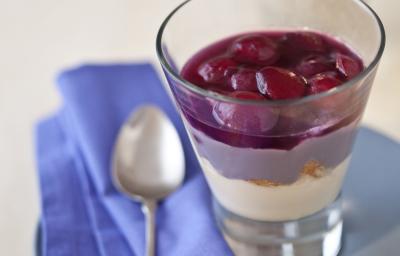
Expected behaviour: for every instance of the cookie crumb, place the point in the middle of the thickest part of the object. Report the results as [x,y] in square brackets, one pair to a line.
[314,169]
[265,183]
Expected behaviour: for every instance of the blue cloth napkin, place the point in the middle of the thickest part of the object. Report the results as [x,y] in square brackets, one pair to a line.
[82,213]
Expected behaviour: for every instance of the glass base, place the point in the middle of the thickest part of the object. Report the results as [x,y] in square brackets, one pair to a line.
[316,235]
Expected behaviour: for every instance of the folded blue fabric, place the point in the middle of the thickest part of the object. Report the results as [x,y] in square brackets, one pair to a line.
[82,213]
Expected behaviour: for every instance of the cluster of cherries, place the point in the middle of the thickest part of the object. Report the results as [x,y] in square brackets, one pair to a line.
[267,66]
[276,67]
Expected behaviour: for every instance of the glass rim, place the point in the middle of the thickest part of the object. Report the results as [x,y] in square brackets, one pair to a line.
[220,97]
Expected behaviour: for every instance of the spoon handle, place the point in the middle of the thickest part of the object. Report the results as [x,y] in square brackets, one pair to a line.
[149,209]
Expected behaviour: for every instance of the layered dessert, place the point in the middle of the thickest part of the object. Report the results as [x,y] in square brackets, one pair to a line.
[267,151]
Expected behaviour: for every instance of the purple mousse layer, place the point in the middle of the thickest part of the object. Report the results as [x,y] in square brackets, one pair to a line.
[283,166]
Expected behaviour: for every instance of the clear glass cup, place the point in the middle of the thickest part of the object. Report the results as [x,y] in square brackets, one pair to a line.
[276,184]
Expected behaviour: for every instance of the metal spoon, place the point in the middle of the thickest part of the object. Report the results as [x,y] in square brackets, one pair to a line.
[148,162]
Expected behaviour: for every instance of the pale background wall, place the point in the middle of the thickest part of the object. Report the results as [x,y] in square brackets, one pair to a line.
[38,38]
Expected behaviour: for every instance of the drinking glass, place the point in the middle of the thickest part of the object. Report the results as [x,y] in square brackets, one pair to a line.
[276,185]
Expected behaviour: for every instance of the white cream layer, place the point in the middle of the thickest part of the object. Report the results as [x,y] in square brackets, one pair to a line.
[306,196]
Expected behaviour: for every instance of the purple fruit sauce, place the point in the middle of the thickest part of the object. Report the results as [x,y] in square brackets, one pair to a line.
[267,66]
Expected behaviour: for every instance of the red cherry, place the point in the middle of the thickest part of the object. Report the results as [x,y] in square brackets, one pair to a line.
[322,82]
[230,71]
[244,80]
[255,49]
[216,70]
[249,119]
[280,83]
[314,64]
[304,41]
[348,66]
[333,74]
[247,95]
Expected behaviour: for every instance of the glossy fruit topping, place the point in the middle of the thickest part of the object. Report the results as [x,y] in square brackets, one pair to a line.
[244,80]
[244,117]
[347,65]
[216,70]
[322,82]
[255,49]
[280,84]
[304,41]
[314,64]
